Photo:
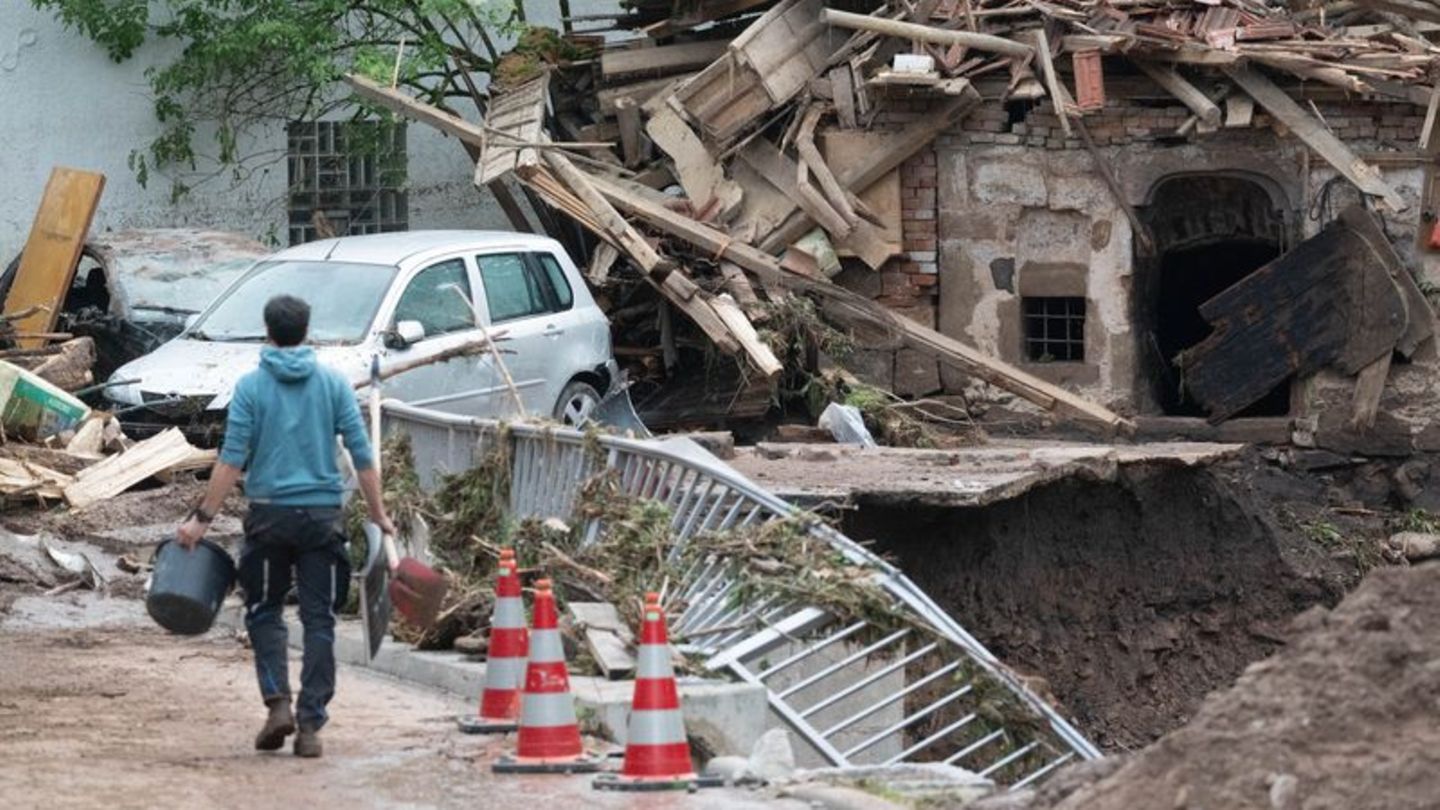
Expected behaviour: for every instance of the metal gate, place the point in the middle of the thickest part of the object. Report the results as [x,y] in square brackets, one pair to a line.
[928,692]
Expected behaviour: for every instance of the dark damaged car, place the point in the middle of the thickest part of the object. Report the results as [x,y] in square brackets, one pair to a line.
[135,289]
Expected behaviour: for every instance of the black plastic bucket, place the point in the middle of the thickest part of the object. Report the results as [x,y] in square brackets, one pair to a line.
[187,587]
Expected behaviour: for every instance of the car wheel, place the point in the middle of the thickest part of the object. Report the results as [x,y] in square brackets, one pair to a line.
[576,403]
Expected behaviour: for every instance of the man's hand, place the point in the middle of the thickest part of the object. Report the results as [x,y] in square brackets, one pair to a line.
[383,521]
[190,532]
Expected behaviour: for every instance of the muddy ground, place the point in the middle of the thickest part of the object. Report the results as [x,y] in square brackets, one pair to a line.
[126,716]
[1136,597]
[1344,718]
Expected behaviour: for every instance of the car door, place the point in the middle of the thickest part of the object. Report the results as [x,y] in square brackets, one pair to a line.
[438,297]
[520,304]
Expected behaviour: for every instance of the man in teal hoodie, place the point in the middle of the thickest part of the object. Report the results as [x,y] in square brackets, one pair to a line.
[281,429]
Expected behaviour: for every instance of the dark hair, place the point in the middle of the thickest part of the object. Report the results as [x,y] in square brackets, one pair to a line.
[287,319]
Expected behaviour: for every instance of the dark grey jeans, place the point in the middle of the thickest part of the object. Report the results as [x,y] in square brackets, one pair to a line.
[303,546]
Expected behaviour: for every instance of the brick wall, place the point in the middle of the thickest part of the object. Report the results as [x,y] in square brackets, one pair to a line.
[1122,122]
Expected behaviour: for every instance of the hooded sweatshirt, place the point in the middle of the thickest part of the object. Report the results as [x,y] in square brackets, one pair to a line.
[281,429]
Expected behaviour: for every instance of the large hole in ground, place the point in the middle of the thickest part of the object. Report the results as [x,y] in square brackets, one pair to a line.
[1133,598]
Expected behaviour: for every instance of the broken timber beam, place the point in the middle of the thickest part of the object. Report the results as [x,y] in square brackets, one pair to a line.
[1179,87]
[1304,126]
[1058,96]
[470,135]
[896,150]
[927,341]
[924,33]
[720,323]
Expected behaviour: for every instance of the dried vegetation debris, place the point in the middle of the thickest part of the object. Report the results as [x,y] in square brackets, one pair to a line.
[631,550]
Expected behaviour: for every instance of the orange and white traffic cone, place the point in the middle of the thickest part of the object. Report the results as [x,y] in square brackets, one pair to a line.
[549,739]
[505,665]
[657,754]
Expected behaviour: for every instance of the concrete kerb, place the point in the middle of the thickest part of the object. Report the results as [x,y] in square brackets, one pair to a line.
[728,718]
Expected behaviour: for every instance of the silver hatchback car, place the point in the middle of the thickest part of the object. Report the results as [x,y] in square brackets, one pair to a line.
[402,296]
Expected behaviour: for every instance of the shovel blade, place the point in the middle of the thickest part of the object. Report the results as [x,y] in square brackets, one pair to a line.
[375,602]
[418,591]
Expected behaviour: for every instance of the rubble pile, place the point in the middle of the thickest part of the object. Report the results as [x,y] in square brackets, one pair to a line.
[738,156]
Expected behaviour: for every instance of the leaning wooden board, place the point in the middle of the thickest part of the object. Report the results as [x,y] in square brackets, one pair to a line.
[51,252]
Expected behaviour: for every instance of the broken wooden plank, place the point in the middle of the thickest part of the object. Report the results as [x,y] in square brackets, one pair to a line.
[70,369]
[810,156]
[842,91]
[740,288]
[517,117]
[1331,301]
[632,137]
[717,323]
[121,471]
[1052,81]
[1413,9]
[897,148]
[51,252]
[770,62]
[700,174]
[1139,230]
[661,59]
[606,636]
[1239,110]
[416,110]
[1427,130]
[89,439]
[924,33]
[1314,134]
[1179,87]
[1369,385]
[756,349]
[639,92]
[601,260]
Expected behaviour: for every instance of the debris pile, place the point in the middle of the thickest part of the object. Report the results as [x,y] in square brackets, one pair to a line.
[741,165]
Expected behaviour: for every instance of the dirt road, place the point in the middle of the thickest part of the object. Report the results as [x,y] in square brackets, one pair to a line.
[120,717]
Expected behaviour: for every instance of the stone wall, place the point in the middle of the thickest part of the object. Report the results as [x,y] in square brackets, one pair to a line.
[1006,206]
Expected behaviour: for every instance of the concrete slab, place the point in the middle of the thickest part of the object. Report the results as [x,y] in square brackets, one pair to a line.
[843,475]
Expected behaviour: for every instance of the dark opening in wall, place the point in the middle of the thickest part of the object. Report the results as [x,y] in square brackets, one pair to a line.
[1054,329]
[1210,232]
[1188,278]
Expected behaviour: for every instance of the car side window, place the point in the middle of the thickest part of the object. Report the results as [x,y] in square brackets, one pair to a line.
[563,296]
[431,299]
[511,290]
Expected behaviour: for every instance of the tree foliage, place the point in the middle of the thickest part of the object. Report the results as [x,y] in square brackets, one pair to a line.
[239,65]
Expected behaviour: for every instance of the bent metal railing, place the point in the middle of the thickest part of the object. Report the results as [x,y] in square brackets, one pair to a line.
[929,692]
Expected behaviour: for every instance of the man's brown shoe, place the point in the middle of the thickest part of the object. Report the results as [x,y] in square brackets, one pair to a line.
[279,725]
[307,743]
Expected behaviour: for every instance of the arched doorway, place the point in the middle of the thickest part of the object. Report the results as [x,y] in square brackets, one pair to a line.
[1210,231]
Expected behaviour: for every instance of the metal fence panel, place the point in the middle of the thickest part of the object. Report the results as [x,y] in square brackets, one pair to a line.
[855,694]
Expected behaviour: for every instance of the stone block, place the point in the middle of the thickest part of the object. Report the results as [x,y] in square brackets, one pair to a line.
[728,718]
[916,374]
[1016,181]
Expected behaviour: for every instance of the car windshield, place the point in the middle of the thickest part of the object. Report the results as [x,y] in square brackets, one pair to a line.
[176,283]
[343,299]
